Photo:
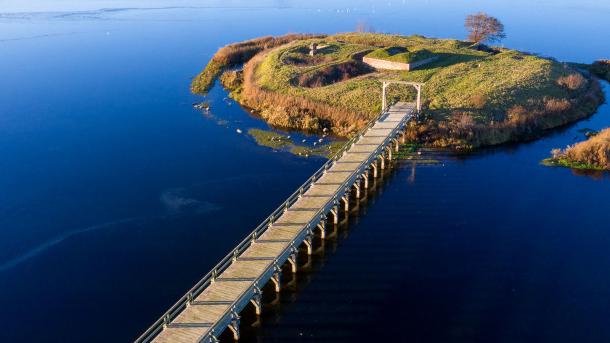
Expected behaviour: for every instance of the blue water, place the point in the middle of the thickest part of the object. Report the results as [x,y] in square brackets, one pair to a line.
[116,195]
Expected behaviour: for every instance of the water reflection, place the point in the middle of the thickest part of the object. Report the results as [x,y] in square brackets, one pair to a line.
[256,328]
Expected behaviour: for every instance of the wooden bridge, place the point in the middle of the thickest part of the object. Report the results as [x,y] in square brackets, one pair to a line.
[214,303]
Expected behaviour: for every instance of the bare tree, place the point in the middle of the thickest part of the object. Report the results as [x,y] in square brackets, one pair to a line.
[483,27]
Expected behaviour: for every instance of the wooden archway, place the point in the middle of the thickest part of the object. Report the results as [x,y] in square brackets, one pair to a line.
[416,85]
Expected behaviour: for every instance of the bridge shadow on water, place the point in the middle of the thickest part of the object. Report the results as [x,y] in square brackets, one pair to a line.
[257,328]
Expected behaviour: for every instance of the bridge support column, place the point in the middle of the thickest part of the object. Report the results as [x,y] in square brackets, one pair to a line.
[403,137]
[292,259]
[396,145]
[357,186]
[382,161]
[365,177]
[335,213]
[234,325]
[374,165]
[390,153]
[257,300]
[276,278]
[322,227]
[345,199]
[309,244]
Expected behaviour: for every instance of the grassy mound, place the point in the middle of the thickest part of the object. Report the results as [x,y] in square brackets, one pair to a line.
[593,153]
[472,96]
[238,53]
[400,54]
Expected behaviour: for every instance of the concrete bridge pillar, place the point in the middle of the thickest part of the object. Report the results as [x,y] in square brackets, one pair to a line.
[375,172]
[382,158]
[365,176]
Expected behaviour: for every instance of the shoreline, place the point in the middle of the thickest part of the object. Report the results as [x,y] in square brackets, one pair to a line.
[278,107]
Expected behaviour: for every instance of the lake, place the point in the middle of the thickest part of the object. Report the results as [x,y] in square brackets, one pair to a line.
[116,195]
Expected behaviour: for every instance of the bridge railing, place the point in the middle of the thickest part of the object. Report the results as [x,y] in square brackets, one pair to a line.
[226,262]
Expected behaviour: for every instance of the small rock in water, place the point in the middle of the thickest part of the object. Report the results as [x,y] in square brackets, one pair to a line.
[202,106]
[419,152]
[320,140]
[314,143]
[238,131]
[304,141]
[288,137]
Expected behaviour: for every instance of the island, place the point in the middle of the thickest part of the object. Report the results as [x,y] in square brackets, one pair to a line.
[592,154]
[474,95]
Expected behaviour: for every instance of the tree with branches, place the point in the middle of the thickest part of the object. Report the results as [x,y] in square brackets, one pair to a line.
[484,28]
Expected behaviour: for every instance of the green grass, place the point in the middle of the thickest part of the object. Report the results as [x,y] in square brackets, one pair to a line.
[280,141]
[406,56]
[455,83]
[564,162]
[270,139]
[506,79]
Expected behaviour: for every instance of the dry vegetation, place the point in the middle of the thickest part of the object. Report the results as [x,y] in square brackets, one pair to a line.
[593,153]
[284,110]
[238,53]
[473,97]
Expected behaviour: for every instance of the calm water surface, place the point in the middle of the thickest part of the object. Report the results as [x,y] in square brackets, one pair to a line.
[116,195]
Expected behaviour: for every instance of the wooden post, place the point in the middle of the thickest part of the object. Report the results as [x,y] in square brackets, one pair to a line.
[418,98]
[383,100]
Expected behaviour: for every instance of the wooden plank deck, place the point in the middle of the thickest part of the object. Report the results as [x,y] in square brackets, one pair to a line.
[208,314]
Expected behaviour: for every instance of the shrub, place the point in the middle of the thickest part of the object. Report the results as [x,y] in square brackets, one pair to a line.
[462,122]
[517,113]
[554,105]
[593,152]
[231,79]
[479,100]
[572,82]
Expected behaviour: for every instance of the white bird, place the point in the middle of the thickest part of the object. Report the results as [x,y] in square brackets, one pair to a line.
[238,131]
